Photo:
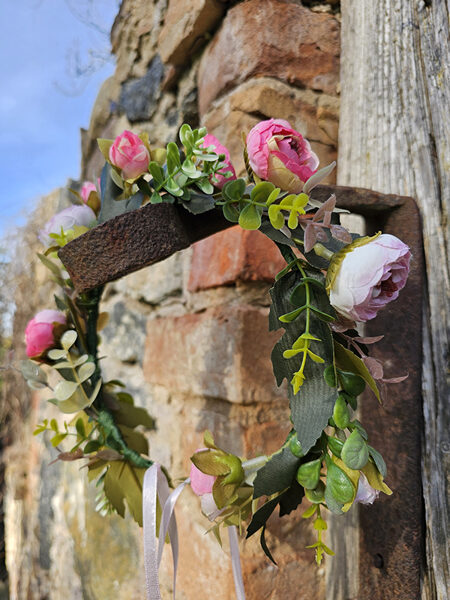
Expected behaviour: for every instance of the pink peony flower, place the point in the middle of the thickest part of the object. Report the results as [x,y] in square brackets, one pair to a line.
[86,189]
[210,140]
[369,277]
[130,155]
[66,220]
[39,331]
[279,154]
[365,494]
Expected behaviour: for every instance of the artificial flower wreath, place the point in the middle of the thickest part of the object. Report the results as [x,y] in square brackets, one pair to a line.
[333,280]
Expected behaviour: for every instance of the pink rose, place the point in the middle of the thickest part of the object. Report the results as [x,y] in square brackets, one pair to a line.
[365,494]
[369,277]
[67,219]
[39,331]
[279,154]
[130,155]
[210,140]
[86,189]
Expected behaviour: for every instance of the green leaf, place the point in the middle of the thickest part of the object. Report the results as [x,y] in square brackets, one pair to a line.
[335,446]
[230,212]
[57,439]
[65,389]
[355,452]
[79,426]
[129,480]
[53,267]
[92,446]
[250,217]
[260,517]
[262,191]
[32,371]
[199,203]
[94,394]
[68,339]
[341,413]
[86,371]
[333,505]
[207,462]
[112,199]
[205,185]
[172,187]
[189,169]
[156,172]
[309,512]
[186,137]
[234,190]
[104,146]
[173,158]
[132,416]
[347,361]
[155,198]
[339,483]
[308,474]
[134,439]
[265,547]
[313,405]
[378,460]
[277,474]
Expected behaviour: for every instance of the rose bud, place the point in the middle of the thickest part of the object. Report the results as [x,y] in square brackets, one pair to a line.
[67,219]
[129,154]
[40,334]
[281,155]
[365,277]
[86,189]
[220,180]
[366,494]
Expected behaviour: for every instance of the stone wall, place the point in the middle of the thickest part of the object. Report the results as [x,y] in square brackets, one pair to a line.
[189,335]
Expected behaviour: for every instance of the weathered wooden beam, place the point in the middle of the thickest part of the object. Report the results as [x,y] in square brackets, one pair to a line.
[152,233]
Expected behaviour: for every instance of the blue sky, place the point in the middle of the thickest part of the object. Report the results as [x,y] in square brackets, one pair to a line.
[39,124]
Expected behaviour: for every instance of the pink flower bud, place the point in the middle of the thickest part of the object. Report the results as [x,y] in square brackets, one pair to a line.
[130,155]
[200,482]
[281,155]
[39,331]
[86,189]
[369,277]
[210,140]
[366,494]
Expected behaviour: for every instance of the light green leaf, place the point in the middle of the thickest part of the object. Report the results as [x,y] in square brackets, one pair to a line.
[65,389]
[49,264]
[355,452]
[156,172]
[95,392]
[31,370]
[86,371]
[56,354]
[58,438]
[250,217]
[68,339]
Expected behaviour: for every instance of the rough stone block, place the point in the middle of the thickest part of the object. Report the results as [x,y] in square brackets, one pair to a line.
[221,353]
[139,97]
[233,255]
[185,23]
[275,39]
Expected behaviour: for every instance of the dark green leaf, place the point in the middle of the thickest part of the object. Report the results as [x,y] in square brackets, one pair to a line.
[308,474]
[231,212]
[234,190]
[92,446]
[156,172]
[265,547]
[291,498]
[79,426]
[277,474]
[132,416]
[173,158]
[112,205]
[335,446]
[199,203]
[378,460]
[261,515]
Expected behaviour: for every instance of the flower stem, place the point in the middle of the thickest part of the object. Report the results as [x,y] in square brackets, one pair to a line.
[320,250]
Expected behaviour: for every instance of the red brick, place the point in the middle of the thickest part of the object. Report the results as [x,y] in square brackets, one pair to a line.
[233,255]
[221,353]
[271,38]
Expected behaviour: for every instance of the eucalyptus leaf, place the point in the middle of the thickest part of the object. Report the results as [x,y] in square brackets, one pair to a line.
[65,389]
[250,217]
[234,190]
[86,370]
[68,339]
[230,212]
[32,371]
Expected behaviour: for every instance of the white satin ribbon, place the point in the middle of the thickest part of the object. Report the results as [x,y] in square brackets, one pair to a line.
[155,485]
[236,563]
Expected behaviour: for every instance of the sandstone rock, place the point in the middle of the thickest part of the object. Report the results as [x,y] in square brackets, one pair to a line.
[275,39]
[222,353]
[184,26]
[233,255]
[315,115]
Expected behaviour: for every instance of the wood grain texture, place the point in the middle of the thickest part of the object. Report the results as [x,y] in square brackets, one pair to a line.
[394,137]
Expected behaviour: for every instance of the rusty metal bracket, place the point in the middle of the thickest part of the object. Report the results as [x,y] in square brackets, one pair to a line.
[392,530]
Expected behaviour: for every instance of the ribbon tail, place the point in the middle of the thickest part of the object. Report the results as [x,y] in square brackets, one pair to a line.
[236,563]
[149,493]
[169,524]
